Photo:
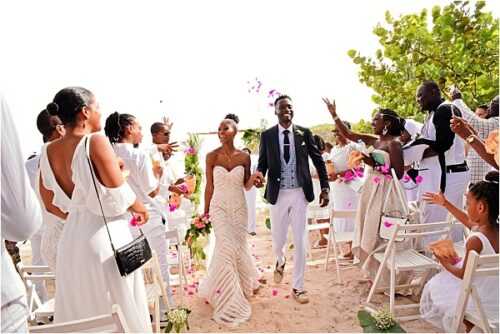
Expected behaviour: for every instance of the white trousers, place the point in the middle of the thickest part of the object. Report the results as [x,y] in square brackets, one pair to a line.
[37,260]
[456,185]
[251,198]
[290,209]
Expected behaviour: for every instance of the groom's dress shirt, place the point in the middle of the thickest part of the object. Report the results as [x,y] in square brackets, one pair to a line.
[288,170]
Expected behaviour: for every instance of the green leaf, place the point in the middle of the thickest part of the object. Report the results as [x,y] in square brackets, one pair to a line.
[168,328]
[268,223]
[351,53]
[365,318]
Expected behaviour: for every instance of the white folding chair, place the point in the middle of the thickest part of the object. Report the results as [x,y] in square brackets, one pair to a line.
[178,261]
[38,311]
[155,288]
[477,265]
[315,213]
[108,323]
[398,260]
[334,238]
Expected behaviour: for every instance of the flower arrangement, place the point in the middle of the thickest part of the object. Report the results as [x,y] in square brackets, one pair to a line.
[192,167]
[177,319]
[380,322]
[197,237]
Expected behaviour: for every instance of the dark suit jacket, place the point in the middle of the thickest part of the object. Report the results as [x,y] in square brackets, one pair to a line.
[269,161]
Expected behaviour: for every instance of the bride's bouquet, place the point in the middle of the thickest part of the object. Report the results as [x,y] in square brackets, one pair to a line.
[177,319]
[197,237]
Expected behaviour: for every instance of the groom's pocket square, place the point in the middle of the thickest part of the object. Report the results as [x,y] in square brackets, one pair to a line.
[303,143]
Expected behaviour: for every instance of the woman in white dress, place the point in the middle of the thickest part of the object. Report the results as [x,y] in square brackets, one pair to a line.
[124,132]
[440,296]
[344,197]
[232,274]
[88,280]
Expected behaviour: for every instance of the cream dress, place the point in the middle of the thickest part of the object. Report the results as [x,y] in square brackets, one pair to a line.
[232,274]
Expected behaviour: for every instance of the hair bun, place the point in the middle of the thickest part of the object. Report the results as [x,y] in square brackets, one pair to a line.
[52,108]
[233,117]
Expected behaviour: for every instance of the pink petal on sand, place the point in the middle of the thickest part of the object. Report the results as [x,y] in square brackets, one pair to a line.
[190,293]
[387,224]
[376,180]
[218,291]
[349,204]
[274,292]
[206,302]
[287,296]
[419,179]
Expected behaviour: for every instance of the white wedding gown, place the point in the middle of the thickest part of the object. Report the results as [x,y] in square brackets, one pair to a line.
[88,282]
[232,274]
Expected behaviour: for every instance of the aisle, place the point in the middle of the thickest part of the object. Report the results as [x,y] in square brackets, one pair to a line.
[332,308]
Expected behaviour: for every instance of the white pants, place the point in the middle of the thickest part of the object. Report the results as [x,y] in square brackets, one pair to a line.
[251,198]
[456,185]
[37,260]
[290,208]
[15,316]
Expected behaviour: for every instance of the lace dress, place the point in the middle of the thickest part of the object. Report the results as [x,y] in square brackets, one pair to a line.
[232,274]
[88,281]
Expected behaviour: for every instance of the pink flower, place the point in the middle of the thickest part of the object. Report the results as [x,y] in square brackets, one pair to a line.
[274,292]
[385,168]
[348,176]
[271,104]
[190,151]
[133,222]
[199,224]
[358,172]
[388,177]
[406,178]
[172,207]
[376,180]
[387,224]
[419,179]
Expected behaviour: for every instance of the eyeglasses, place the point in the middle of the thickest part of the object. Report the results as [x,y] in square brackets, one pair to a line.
[166,133]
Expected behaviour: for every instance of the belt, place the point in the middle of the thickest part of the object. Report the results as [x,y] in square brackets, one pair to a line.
[457,168]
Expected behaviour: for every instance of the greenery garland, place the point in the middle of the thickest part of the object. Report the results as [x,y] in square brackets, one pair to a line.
[192,165]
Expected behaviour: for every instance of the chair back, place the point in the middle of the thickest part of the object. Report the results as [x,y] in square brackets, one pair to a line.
[109,323]
[477,266]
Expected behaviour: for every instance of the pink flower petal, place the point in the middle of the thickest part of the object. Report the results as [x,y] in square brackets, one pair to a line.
[133,221]
[376,180]
[406,178]
[287,296]
[217,291]
[349,204]
[388,177]
[274,292]
[419,179]
[206,302]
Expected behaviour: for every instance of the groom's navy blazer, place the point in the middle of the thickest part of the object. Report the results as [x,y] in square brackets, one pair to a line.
[269,161]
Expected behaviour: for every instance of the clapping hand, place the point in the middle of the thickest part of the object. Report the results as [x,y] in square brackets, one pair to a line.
[332,108]
[461,127]
[168,148]
[435,198]
[168,123]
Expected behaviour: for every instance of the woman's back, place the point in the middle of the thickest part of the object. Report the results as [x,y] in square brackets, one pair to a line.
[60,154]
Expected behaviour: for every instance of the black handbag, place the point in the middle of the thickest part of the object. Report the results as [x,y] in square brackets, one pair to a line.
[131,256]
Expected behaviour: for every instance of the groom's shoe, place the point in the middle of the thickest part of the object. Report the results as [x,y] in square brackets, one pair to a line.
[300,296]
[278,272]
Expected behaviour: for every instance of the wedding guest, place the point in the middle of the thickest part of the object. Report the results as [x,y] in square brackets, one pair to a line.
[88,280]
[443,166]
[21,218]
[317,214]
[51,129]
[124,132]
[344,197]
[482,127]
[386,155]
[440,294]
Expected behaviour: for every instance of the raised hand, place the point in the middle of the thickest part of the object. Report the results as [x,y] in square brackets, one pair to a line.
[168,148]
[168,123]
[332,108]
[434,198]
[460,127]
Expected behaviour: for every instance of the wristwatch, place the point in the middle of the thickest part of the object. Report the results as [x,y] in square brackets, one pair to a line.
[470,139]
[327,190]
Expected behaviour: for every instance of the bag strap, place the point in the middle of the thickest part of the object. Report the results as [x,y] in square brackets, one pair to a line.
[398,193]
[87,151]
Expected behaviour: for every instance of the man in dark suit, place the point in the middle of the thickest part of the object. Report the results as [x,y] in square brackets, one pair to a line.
[284,152]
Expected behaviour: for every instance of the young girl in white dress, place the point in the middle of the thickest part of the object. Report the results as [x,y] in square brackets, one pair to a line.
[88,280]
[440,295]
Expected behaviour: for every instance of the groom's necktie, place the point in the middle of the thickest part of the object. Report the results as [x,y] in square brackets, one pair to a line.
[286,146]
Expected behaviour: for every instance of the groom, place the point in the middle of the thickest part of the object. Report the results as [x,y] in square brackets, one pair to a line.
[284,152]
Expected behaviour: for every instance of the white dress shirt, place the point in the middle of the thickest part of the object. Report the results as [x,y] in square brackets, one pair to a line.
[21,216]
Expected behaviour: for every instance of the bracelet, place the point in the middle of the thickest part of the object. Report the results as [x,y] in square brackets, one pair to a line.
[335,118]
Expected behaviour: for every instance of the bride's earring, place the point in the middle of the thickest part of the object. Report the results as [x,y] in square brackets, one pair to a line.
[385,130]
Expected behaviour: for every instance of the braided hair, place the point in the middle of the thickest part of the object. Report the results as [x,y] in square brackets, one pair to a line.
[116,124]
[487,191]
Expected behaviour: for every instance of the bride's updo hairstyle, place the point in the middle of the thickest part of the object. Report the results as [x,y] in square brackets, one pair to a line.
[68,103]
[397,125]
[234,120]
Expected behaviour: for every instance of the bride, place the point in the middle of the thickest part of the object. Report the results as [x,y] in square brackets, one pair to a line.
[232,274]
